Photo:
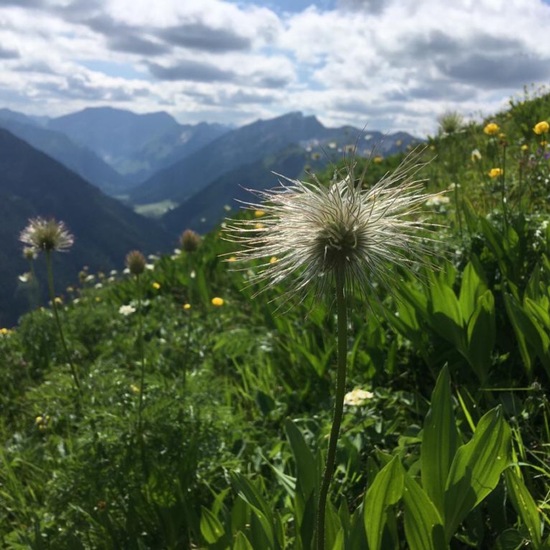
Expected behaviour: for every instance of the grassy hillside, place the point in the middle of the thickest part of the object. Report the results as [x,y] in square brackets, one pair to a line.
[204,410]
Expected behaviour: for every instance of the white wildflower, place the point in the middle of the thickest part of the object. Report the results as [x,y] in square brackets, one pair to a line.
[126,310]
[357,397]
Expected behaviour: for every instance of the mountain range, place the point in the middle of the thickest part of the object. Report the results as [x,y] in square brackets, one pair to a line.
[96,167]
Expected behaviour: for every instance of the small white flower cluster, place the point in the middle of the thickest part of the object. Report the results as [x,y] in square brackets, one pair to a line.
[539,241]
[437,201]
[357,397]
[126,310]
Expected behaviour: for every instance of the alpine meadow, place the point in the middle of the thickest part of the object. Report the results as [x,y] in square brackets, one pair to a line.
[358,358]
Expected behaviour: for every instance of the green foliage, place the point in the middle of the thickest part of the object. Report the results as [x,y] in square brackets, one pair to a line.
[206,426]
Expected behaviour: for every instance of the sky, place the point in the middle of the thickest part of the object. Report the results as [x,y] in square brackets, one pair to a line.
[388,65]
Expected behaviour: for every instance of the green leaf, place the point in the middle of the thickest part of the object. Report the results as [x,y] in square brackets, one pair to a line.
[241,542]
[339,543]
[333,525]
[423,525]
[386,490]
[540,319]
[439,441]
[211,528]
[260,508]
[445,314]
[523,327]
[482,335]
[476,469]
[525,506]
[471,288]
[307,474]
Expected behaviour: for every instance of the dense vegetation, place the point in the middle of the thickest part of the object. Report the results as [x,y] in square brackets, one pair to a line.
[202,411]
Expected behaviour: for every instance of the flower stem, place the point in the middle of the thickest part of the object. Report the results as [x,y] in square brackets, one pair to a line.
[58,322]
[141,355]
[338,406]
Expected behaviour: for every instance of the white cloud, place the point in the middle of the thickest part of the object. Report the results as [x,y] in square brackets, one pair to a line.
[392,65]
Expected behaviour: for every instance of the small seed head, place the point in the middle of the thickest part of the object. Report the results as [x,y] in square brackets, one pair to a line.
[135,262]
[190,240]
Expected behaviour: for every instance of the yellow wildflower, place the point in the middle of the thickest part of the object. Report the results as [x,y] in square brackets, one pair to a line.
[259,226]
[232,259]
[41,421]
[156,285]
[186,306]
[541,128]
[491,129]
[217,301]
[5,331]
[377,160]
[134,388]
[259,213]
[495,172]
[273,259]
[525,147]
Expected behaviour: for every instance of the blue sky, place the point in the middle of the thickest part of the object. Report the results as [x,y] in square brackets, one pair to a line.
[388,65]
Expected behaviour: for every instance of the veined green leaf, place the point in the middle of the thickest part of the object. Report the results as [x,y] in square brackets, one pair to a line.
[521,324]
[260,508]
[439,441]
[241,542]
[471,288]
[386,490]
[476,469]
[211,527]
[525,506]
[482,335]
[423,525]
[307,476]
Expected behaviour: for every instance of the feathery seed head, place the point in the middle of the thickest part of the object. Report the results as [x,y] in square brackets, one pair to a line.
[319,234]
[190,240]
[135,262]
[46,235]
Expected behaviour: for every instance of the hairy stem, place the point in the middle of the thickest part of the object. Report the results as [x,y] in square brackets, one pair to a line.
[141,354]
[338,407]
[58,322]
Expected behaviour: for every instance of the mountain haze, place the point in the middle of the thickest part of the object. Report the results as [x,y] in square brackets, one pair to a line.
[250,144]
[136,145]
[206,208]
[57,145]
[33,184]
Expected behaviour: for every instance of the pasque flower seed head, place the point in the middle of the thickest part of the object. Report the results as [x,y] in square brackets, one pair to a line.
[319,233]
[46,235]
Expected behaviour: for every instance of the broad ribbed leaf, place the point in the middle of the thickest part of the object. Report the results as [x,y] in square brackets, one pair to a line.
[439,441]
[260,508]
[476,469]
[241,542]
[482,335]
[211,528]
[522,326]
[306,466]
[471,288]
[386,489]
[525,506]
[423,525]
